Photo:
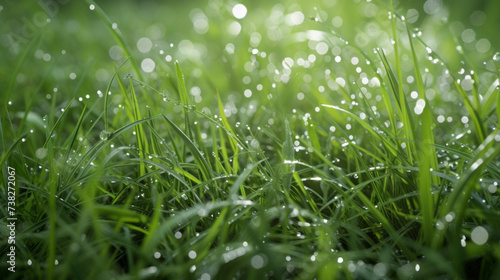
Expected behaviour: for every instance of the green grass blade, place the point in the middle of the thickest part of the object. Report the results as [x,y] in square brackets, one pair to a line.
[479,126]
[426,154]
[199,158]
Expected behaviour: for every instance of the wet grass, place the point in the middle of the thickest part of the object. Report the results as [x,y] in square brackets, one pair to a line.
[280,145]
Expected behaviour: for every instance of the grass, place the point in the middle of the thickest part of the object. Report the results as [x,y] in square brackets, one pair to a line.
[297,148]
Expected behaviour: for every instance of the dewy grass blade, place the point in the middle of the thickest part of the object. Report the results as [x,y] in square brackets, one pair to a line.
[108,88]
[232,142]
[142,140]
[402,105]
[457,201]
[367,126]
[72,138]
[183,96]
[426,154]
[472,112]
[49,135]
[200,160]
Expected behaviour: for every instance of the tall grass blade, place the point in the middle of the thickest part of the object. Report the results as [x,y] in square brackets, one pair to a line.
[426,154]
[202,163]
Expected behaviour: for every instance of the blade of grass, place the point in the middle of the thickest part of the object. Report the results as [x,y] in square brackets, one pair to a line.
[108,88]
[200,160]
[457,201]
[183,95]
[232,141]
[479,126]
[426,154]
[142,140]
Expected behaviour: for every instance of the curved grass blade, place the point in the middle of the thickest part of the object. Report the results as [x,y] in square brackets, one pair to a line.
[200,160]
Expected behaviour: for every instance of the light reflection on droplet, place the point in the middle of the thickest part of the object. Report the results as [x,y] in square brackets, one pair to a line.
[479,235]
[321,48]
[148,65]
[380,269]
[239,11]
[419,107]
[192,255]
[144,45]
[257,262]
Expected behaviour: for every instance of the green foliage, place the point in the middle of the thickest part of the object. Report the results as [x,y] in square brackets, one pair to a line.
[295,142]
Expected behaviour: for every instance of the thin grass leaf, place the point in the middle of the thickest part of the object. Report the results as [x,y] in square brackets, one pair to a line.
[206,171]
[426,155]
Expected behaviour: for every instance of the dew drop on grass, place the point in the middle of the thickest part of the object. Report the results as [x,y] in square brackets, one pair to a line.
[104,135]
[449,217]
[419,107]
[41,153]
[496,57]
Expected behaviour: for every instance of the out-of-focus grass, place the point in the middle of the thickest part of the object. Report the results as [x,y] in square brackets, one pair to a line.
[209,140]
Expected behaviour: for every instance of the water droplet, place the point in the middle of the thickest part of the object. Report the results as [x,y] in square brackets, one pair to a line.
[479,235]
[496,57]
[144,45]
[104,135]
[258,262]
[239,11]
[178,235]
[41,153]
[192,255]
[419,107]
[148,65]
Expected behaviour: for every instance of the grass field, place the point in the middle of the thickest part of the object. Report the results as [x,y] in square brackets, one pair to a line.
[254,140]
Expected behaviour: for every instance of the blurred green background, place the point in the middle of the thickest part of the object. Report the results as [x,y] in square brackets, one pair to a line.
[206,38]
